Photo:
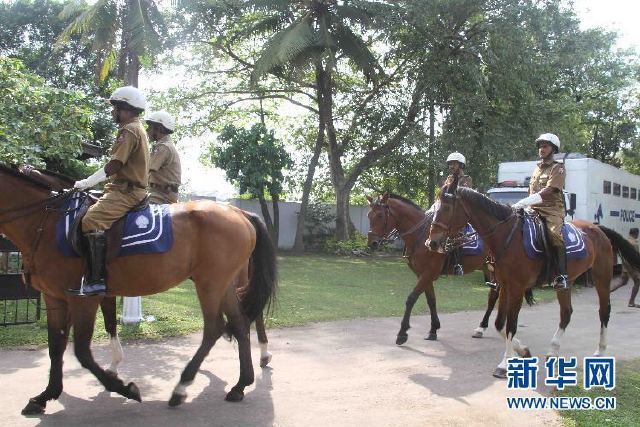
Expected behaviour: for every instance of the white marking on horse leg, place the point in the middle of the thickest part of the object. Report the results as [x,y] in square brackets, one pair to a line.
[479,332]
[117,355]
[554,348]
[263,350]
[181,388]
[602,345]
[508,351]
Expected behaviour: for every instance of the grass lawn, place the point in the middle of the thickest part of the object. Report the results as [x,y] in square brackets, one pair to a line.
[313,288]
[627,393]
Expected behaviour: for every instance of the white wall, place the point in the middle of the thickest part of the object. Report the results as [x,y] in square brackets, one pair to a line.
[289,217]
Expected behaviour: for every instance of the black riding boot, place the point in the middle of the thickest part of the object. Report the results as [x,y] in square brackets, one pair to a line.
[93,283]
[457,262]
[561,258]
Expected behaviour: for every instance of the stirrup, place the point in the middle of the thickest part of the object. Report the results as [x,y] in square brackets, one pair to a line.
[89,290]
[457,270]
[560,283]
[492,285]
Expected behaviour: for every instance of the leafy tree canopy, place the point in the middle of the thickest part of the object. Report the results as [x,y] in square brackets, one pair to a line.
[39,124]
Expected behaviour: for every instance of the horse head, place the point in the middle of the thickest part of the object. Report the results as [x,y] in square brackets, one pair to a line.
[449,215]
[381,222]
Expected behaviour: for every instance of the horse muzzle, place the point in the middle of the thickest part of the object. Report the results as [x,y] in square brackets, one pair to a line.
[434,245]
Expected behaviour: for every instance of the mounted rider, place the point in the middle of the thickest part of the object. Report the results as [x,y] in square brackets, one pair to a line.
[456,163]
[128,173]
[546,198]
[164,165]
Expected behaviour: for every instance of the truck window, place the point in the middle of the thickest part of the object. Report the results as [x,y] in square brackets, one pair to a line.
[625,192]
[633,194]
[616,189]
[606,187]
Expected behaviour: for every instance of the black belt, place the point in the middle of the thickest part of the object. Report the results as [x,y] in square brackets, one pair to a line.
[168,187]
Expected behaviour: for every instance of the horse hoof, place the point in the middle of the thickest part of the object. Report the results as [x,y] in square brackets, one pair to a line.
[33,408]
[132,392]
[500,373]
[264,361]
[177,399]
[477,335]
[234,396]
[401,339]
[526,352]
[431,337]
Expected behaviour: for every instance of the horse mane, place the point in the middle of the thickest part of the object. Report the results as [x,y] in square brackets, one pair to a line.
[496,209]
[16,173]
[405,200]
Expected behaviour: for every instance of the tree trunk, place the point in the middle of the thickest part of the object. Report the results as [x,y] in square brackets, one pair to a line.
[267,217]
[431,179]
[335,165]
[298,246]
[275,200]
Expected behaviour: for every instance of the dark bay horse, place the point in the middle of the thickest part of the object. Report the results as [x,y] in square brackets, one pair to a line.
[212,243]
[516,272]
[58,183]
[391,213]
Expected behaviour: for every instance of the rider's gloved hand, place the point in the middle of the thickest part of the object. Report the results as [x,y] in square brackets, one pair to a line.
[95,179]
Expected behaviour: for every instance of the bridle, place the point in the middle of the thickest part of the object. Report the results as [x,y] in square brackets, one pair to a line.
[393,234]
[45,206]
[453,242]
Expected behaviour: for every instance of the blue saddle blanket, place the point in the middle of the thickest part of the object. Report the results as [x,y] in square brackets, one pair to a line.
[472,247]
[573,240]
[145,232]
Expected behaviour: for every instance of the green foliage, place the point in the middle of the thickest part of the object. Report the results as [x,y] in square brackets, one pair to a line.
[627,411]
[356,245]
[252,158]
[39,123]
[318,226]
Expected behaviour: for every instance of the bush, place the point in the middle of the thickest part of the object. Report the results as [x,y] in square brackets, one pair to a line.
[357,245]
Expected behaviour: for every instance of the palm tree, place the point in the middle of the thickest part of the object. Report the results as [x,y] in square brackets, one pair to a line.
[120,32]
[311,34]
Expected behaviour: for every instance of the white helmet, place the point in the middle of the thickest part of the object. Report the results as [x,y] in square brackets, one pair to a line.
[129,95]
[551,139]
[163,118]
[455,156]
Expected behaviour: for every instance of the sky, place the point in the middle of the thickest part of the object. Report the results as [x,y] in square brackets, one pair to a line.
[619,15]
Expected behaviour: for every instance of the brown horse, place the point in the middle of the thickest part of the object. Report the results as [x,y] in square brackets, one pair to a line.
[212,244]
[390,214]
[500,226]
[58,182]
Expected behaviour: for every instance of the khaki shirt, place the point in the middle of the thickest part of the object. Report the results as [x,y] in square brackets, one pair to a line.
[164,166]
[463,180]
[549,174]
[634,242]
[132,149]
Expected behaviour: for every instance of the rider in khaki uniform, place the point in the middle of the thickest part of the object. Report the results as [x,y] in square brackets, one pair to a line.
[546,198]
[164,166]
[456,163]
[128,173]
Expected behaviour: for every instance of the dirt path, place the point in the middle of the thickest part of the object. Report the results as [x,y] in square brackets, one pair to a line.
[346,373]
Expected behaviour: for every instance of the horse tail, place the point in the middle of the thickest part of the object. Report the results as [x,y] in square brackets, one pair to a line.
[528,296]
[623,247]
[263,280]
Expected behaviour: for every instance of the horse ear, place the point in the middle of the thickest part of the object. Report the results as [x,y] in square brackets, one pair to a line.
[385,197]
[370,199]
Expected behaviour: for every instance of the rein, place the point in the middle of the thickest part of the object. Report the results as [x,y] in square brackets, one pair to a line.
[456,242]
[46,206]
[394,234]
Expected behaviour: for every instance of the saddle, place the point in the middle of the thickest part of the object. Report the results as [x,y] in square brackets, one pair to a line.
[114,234]
[540,239]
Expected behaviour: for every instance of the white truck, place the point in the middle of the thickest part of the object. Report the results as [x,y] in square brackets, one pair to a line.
[594,191]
